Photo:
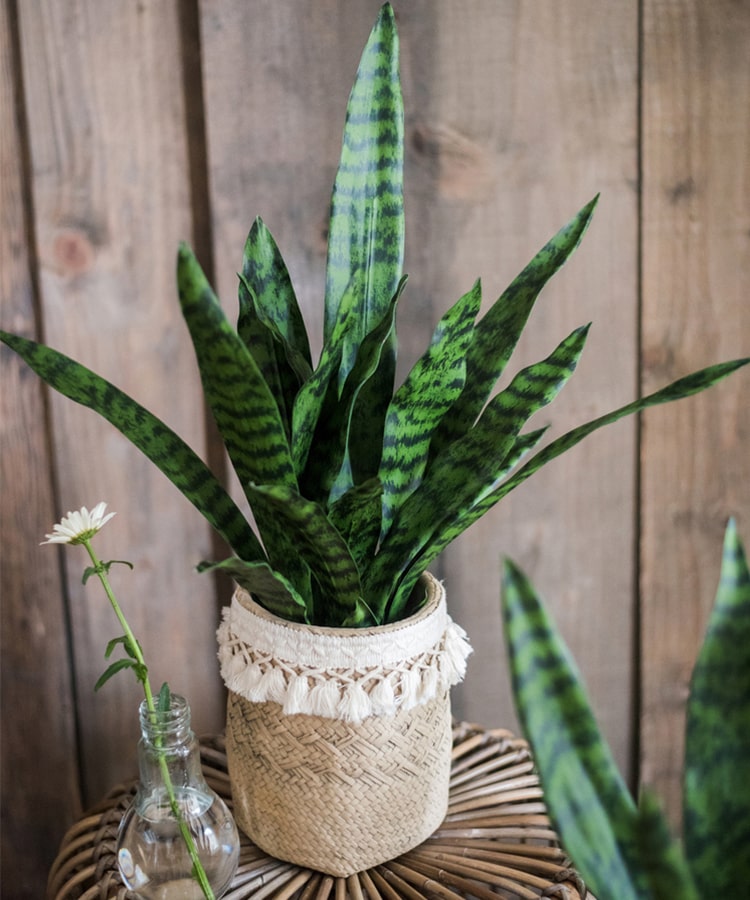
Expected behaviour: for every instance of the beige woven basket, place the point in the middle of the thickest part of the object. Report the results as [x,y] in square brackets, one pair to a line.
[339,740]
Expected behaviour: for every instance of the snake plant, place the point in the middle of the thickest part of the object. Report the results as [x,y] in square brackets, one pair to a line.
[355,485]
[623,848]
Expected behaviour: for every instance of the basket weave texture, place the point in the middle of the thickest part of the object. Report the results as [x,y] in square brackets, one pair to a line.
[340,787]
[495,841]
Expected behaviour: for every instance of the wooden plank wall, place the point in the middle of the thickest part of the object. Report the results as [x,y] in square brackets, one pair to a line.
[129,126]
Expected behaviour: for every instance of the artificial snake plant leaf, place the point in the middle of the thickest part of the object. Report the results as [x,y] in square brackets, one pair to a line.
[270,322]
[166,450]
[270,588]
[588,801]
[419,405]
[470,467]
[339,601]
[263,346]
[660,857]
[683,387]
[448,528]
[323,383]
[717,744]
[367,215]
[355,428]
[373,389]
[356,516]
[331,471]
[265,271]
[497,332]
[240,400]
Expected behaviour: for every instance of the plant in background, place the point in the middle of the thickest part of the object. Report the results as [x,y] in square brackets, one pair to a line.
[355,485]
[79,527]
[623,849]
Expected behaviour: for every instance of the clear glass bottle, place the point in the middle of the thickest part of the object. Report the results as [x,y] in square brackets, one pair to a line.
[152,853]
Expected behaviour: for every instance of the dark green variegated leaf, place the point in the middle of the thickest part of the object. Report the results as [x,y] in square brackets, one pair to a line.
[470,467]
[271,589]
[339,601]
[497,332]
[149,434]
[367,217]
[270,323]
[683,387]
[323,383]
[370,400]
[447,529]
[588,801]
[268,355]
[243,406]
[717,754]
[356,516]
[265,272]
[354,425]
[418,406]
[660,857]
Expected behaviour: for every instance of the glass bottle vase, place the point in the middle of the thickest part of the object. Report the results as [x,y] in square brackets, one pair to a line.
[173,799]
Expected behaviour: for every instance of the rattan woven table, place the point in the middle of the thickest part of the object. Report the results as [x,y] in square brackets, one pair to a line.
[495,842]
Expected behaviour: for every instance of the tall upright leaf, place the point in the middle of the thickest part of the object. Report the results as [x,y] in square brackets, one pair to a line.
[497,332]
[717,751]
[367,216]
[244,408]
[150,435]
[339,600]
[469,467]
[419,405]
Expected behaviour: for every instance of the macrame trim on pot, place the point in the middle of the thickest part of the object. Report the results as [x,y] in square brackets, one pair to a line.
[341,673]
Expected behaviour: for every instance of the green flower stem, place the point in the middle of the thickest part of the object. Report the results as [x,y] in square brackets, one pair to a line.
[142,672]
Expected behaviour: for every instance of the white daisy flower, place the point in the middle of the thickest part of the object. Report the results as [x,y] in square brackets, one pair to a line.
[79,526]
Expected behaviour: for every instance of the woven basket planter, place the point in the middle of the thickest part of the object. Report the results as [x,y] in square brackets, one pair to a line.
[339,740]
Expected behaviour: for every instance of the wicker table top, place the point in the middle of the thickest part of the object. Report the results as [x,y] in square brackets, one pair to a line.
[495,842]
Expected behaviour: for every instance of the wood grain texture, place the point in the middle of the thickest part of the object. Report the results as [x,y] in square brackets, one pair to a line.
[40,785]
[532,111]
[696,273]
[111,202]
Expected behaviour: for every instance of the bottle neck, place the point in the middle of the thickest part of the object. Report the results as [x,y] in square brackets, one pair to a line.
[167,740]
[165,728]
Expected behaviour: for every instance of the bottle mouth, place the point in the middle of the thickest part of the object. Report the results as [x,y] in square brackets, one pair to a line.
[165,722]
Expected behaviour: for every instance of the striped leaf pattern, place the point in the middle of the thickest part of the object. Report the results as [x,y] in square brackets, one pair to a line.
[339,599]
[467,468]
[660,858]
[683,387]
[497,332]
[356,516]
[367,217]
[420,403]
[358,421]
[149,434]
[240,400]
[277,594]
[717,755]
[590,805]
[450,526]
[265,271]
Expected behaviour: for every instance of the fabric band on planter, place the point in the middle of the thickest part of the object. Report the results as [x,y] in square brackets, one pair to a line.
[341,673]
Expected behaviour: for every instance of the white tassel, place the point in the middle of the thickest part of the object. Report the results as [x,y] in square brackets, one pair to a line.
[382,698]
[245,680]
[355,704]
[324,699]
[410,683]
[429,684]
[297,696]
[456,649]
